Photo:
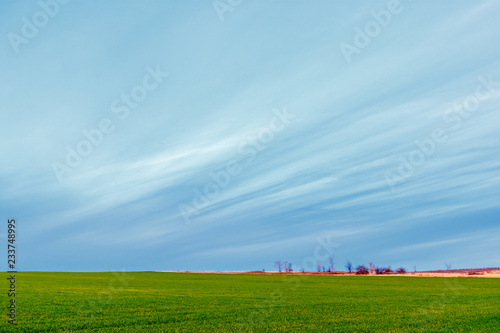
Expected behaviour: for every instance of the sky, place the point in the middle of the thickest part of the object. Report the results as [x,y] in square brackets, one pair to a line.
[226,135]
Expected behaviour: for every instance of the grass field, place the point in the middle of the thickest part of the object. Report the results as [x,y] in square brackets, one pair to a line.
[181,302]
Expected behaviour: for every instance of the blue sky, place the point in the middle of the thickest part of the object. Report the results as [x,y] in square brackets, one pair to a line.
[243,132]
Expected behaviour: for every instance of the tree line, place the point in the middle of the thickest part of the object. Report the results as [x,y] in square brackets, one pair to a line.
[287,267]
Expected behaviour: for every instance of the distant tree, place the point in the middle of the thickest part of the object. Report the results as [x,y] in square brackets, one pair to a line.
[285,266]
[331,261]
[400,270]
[383,270]
[414,268]
[318,267]
[372,267]
[289,268]
[279,265]
[448,266]
[348,266]
[362,270]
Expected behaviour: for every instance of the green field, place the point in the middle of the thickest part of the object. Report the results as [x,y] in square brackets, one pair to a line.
[179,302]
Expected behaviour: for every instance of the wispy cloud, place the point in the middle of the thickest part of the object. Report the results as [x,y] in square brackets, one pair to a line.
[325,172]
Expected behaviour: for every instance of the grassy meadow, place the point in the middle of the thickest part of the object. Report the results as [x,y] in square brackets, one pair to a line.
[182,302]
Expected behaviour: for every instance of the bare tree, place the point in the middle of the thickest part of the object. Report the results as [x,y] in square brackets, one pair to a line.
[414,269]
[448,266]
[372,268]
[279,264]
[362,270]
[287,266]
[348,265]
[318,266]
[331,260]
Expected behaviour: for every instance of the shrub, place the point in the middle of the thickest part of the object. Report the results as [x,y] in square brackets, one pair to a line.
[383,270]
[401,270]
[361,270]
